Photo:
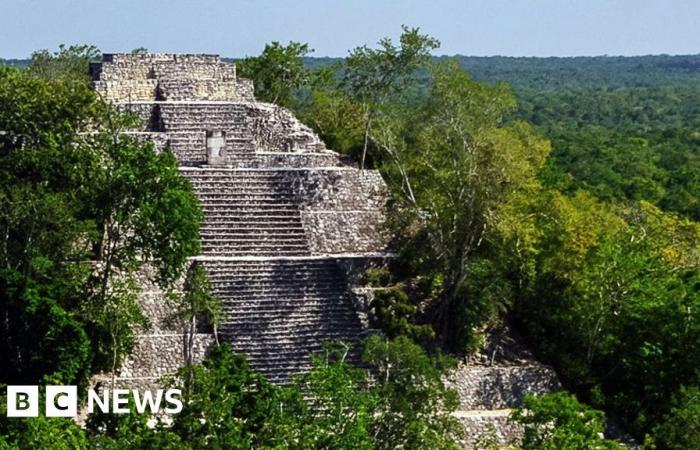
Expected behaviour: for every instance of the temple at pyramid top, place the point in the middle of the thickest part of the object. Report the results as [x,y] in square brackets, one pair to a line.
[123,78]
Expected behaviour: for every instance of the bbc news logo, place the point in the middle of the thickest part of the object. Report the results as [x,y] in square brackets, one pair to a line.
[62,401]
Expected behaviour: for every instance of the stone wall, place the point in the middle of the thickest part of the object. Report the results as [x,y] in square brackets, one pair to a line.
[249,128]
[276,129]
[492,382]
[160,349]
[501,387]
[342,210]
[124,78]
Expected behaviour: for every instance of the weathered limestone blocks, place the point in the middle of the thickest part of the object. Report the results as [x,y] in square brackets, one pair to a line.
[343,210]
[330,189]
[129,91]
[345,232]
[500,387]
[484,429]
[280,311]
[123,78]
[276,129]
[161,354]
[287,223]
[493,382]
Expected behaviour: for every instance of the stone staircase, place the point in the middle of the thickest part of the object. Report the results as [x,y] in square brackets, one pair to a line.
[203,116]
[280,311]
[248,213]
[280,302]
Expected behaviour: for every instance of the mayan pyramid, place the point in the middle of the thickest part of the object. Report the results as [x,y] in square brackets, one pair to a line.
[288,224]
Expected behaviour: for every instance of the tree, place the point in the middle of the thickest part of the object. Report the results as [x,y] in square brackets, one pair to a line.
[341,404]
[132,431]
[681,427]
[556,421]
[146,214]
[68,62]
[227,405]
[372,76]
[613,305]
[278,72]
[83,210]
[414,408]
[197,303]
[453,165]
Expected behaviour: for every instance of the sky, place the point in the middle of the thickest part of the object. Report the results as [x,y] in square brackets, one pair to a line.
[236,28]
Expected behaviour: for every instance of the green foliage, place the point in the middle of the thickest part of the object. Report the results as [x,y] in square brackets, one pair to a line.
[557,421]
[680,429]
[398,401]
[372,77]
[336,117]
[340,412]
[394,313]
[196,304]
[68,62]
[43,341]
[415,408]
[227,404]
[277,73]
[132,431]
[81,214]
[41,433]
[614,305]
[377,276]
[452,164]
[197,298]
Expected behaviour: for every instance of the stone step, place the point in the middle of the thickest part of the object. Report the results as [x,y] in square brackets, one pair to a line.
[247,212]
[259,195]
[258,277]
[251,218]
[249,206]
[279,312]
[252,228]
[254,252]
[258,233]
[251,327]
[271,304]
[239,292]
[255,238]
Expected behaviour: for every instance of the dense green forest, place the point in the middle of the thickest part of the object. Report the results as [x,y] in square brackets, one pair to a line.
[556,195]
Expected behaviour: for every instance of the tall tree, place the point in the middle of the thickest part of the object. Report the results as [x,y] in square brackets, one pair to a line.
[371,77]
[453,163]
[83,210]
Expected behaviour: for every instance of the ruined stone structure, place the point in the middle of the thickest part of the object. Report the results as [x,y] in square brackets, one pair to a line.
[284,218]
[288,225]
[493,382]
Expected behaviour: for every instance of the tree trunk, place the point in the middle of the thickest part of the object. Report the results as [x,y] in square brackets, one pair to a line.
[114,361]
[190,342]
[368,125]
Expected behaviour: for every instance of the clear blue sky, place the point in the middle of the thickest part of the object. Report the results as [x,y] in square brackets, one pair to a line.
[242,27]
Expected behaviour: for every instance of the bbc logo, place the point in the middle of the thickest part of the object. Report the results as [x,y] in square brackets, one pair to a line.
[23,401]
[62,401]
